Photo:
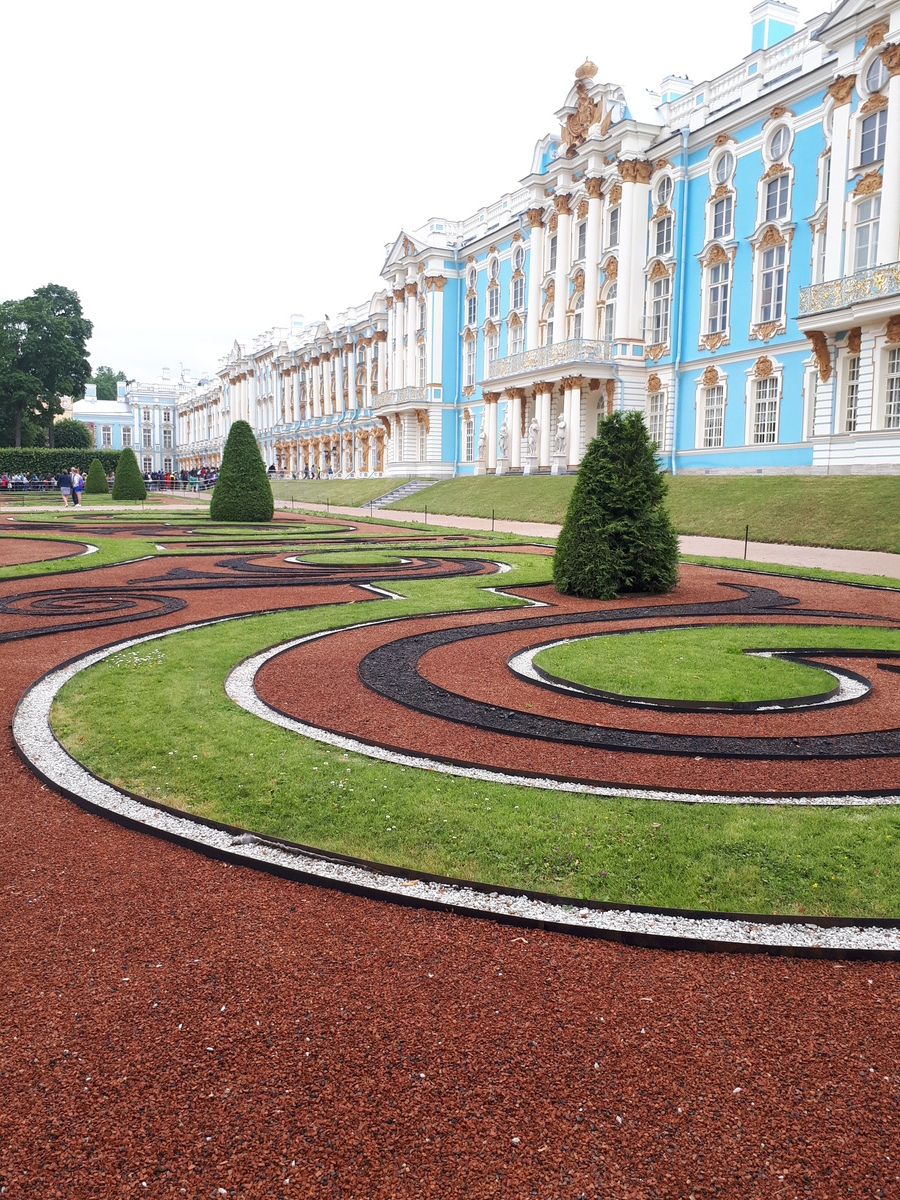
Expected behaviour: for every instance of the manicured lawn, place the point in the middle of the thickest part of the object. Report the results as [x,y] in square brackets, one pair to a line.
[706,664]
[110,550]
[351,493]
[853,511]
[180,739]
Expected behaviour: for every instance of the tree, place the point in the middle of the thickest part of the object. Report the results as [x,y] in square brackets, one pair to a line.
[72,433]
[617,536]
[129,482]
[56,348]
[18,388]
[95,481]
[107,380]
[43,357]
[242,491]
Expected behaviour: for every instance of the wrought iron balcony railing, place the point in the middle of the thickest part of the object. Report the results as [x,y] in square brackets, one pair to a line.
[871,284]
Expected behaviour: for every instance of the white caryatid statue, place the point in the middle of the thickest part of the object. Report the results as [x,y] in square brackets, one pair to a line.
[503,438]
[559,446]
[534,432]
[482,445]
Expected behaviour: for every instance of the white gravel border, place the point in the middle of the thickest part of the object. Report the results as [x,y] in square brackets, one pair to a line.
[35,739]
[522,664]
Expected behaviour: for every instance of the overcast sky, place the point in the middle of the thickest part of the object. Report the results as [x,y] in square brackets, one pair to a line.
[199,171]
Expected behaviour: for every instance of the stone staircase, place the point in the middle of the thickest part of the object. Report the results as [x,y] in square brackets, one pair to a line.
[403,492]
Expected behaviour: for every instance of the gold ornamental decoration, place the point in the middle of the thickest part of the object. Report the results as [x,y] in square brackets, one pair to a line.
[765,331]
[763,368]
[535,217]
[891,59]
[582,210]
[654,383]
[877,34]
[854,339]
[612,270]
[771,238]
[615,193]
[660,271]
[841,91]
[587,113]
[594,187]
[610,395]
[710,377]
[893,331]
[561,204]
[870,183]
[875,103]
[635,170]
[820,350]
[775,169]
[713,341]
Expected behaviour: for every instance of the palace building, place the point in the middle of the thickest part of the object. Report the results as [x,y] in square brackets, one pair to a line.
[725,262]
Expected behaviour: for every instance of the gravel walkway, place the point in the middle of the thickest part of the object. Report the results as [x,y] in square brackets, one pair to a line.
[180,1027]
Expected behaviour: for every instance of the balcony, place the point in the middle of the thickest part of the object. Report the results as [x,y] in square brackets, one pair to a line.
[570,354]
[872,284]
[398,397]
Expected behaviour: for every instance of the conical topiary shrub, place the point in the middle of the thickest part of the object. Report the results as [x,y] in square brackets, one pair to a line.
[242,491]
[95,482]
[129,483]
[617,536]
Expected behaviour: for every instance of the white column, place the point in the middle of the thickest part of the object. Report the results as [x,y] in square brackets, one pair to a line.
[367,386]
[841,90]
[514,408]
[592,258]
[411,322]
[436,331]
[542,407]
[535,275]
[567,416]
[490,402]
[889,230]
[398,359]
[351,380]
[632,251]
[574,423]
[563,263]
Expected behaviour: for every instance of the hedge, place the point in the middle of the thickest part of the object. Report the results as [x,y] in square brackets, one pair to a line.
[43,462]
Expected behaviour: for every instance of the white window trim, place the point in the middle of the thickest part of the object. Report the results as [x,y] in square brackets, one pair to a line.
[855,203]
[750,402]
[664,442]
[855,164]
[706,268]
[700,411]
[711,217]
[878,406]
[842,382]
[758,252]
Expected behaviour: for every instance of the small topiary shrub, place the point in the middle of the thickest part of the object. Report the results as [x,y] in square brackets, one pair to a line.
[95,481]
[617,536]
[129,483]
[242,491]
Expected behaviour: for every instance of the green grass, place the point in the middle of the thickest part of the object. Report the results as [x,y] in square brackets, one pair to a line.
[819,573]
[181,740]
[707,664]
[350,493]
[111,551]
[849,511]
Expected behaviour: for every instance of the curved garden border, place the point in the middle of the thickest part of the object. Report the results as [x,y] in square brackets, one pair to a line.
[808,937]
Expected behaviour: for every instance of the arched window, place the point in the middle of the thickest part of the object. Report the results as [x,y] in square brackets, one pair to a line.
[578,317]
[609,312]
[547,325]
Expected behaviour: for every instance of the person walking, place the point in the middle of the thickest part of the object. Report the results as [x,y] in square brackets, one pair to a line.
[77,485]
[64,483]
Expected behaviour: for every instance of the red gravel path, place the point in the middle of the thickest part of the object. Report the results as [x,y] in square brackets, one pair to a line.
[156,1008]
[478,670]
[17,550]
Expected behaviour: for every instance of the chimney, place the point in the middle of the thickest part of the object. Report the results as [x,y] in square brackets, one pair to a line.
[673,87]
[772,22]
